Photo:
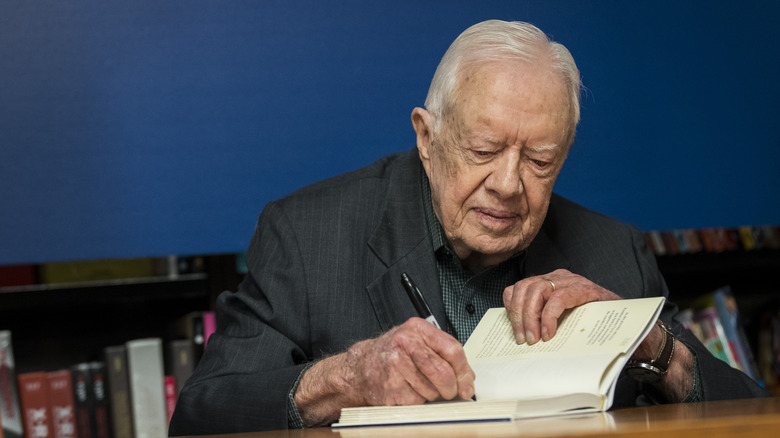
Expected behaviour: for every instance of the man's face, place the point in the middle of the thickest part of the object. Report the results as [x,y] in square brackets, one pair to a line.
[493,166]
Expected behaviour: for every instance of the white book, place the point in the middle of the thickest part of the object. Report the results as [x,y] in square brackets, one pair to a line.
[10,410]
[574,372]
[147,394]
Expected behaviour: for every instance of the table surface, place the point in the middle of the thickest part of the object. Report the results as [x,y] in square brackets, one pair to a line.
[733,418]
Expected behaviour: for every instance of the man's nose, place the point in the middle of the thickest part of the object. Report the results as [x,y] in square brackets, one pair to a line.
[504,179]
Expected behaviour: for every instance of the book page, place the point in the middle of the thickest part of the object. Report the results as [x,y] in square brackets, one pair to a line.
[611,326]
[539,377]
[590,347]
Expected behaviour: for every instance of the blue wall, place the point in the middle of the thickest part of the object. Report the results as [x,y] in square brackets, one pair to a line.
[149,128]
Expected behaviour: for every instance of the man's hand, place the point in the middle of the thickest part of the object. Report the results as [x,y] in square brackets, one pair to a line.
[410,364]
[534,304]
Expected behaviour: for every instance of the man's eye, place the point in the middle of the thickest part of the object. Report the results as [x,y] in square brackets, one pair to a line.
[483,153]
[540,163]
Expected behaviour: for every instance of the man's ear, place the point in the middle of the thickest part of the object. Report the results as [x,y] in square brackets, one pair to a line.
[422,123]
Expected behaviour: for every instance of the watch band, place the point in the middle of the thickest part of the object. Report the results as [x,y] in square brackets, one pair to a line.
[651,371]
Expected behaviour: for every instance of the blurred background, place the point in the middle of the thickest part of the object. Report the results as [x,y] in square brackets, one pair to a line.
[146,128]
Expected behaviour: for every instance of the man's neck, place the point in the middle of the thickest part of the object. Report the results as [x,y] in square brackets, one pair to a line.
[476,262]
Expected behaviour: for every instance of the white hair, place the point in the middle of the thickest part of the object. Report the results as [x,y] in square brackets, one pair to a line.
[501,41]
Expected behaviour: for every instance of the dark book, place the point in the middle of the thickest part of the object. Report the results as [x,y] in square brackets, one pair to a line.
[17,275]
[179,361]
[89,394]
[34,397]
[99,412]
[119,391]
[61,404]
[10,411]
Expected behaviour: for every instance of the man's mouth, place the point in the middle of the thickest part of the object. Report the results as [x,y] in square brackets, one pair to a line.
[499,215]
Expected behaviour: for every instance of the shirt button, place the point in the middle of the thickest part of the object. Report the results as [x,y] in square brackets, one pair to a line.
[470,308]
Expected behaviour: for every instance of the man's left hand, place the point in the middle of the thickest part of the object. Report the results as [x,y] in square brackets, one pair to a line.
[534,304]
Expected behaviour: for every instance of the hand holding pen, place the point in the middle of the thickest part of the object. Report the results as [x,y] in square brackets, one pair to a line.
[411,363]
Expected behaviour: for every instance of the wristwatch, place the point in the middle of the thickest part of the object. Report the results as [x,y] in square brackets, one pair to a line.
[653,370]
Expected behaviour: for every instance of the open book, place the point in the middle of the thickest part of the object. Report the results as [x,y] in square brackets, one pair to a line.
[574,372]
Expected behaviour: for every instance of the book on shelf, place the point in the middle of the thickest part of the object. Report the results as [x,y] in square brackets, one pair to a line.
[712,335]
[88,380]
[118,388]
[170,397]
[713,240]
[714,320]
[34,397]
[146,377]
[725,305]
[17,275]
[10,410]
[86,271]
[61,404]
[574,372]
[179,361]
[209,326]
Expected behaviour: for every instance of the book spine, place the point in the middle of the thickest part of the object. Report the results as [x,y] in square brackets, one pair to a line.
[179,361]
[33,393]
[61,404]
[10,410]
[209,326]
[713,336]
[99,414]
[119,391]
[81,399]
[145,368]
[170,397]
[726,308]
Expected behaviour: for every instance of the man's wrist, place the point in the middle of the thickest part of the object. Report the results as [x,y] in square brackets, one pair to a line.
[654,369]
[323,389]
[294,420]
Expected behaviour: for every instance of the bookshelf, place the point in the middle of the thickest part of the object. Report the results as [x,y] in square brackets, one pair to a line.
[751,275]
[57,325]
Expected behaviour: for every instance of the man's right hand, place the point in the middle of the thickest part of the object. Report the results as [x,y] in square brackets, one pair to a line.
[410,364]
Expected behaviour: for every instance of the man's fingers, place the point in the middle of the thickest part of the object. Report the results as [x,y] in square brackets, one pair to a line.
[421,387]
[421,362]
[444,363]
[513,302]
[535,303]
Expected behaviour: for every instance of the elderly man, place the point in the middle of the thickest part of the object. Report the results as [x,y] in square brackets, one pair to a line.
[322,320]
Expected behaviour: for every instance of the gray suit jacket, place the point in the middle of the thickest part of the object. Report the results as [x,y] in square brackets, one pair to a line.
[324,272]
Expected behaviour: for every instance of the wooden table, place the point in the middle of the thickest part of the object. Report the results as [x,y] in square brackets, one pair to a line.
[734,418]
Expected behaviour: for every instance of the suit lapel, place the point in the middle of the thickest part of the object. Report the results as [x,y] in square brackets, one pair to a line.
[402,244]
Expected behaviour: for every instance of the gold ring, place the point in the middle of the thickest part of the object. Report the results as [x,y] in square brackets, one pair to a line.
[552,283]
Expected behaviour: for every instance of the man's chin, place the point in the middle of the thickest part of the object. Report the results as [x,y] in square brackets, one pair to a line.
[494,253]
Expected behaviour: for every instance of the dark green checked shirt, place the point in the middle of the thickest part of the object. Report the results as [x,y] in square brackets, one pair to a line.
[466,296]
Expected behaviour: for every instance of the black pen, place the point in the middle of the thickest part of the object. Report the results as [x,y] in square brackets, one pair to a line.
[417,299]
